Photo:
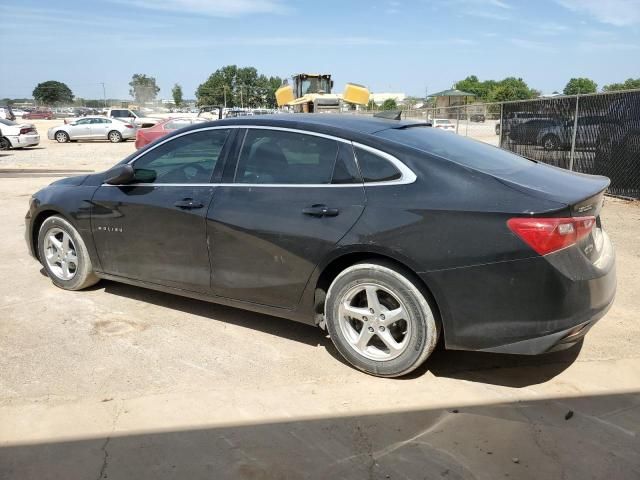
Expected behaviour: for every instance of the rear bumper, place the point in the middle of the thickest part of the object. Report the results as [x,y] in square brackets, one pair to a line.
[18,141]
[527,306]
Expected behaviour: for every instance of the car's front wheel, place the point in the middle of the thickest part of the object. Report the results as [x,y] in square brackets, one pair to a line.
[62,137]
[379,320]
[5,144]
[64,255]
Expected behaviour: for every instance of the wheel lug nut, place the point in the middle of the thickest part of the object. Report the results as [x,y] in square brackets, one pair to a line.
[371,310]
[364,319]
[381,328]
[371,329]
[381,317]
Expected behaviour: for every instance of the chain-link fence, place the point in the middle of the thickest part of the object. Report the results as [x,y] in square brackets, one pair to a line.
[596,133]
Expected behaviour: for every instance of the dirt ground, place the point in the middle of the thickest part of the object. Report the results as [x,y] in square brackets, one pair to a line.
[120,382]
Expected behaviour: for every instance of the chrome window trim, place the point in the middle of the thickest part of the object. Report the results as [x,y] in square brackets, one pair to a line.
[407,176]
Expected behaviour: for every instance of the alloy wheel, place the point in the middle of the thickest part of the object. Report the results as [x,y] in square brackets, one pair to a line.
[374,321]
[60,254]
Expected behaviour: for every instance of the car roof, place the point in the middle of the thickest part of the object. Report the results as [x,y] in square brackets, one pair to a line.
[362,124]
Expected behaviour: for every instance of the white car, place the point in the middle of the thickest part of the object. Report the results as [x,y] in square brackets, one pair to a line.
[17,135]
[443,124]
[93,128]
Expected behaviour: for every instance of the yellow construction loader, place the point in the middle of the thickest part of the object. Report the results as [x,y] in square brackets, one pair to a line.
[311,93]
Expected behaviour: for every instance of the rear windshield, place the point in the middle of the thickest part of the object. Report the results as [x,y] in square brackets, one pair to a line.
[467,152]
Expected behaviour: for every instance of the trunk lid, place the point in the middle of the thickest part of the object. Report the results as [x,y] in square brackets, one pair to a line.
[583,194]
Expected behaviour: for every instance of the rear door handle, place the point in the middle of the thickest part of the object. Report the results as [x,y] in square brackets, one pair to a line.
[320,211]
[188,204]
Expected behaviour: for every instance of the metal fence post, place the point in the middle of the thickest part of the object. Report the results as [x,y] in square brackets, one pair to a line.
[457,119]
[573,135]
[466,116]
[501,123]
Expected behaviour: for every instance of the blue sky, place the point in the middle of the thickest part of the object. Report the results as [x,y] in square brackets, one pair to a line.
[388,45]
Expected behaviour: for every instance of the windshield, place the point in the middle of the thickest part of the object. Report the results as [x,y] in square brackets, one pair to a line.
[8,123]
[464,151]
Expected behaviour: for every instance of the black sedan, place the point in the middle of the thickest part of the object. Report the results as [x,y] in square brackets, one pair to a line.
[390,235]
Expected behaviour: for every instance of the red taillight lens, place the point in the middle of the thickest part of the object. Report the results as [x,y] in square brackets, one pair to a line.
[128,126]
[24,131]
[546,235]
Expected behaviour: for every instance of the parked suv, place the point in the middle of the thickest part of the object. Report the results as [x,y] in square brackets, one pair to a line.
[131,116]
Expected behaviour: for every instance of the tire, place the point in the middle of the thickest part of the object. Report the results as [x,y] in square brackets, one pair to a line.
[61,136]
[5,144]
[550,142]
[66,259]
[375,287]
[114,136]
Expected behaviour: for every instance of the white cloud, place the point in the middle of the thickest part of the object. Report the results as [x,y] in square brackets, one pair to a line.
[213,8]
[615,12]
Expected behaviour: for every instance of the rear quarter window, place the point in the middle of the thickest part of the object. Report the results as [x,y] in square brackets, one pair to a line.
[374,168]
[464,151]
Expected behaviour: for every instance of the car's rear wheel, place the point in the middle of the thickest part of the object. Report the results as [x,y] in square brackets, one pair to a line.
[114,136]
[379,320]
[62,137]
[5,144]
[64,255]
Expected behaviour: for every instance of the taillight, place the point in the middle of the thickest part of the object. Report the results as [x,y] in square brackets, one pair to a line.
[24,131]
[546,235]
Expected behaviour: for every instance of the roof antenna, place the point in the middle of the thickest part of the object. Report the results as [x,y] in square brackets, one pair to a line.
[389,114]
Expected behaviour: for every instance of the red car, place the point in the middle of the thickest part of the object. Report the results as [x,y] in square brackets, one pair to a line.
[39,114]
[144,136]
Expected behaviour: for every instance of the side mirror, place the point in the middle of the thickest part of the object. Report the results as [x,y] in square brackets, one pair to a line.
[120,175]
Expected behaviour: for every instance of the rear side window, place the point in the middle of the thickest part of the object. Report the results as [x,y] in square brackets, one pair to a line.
[273,156]
[470,153]
[374,168]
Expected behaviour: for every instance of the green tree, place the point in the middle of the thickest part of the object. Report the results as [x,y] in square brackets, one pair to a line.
[471,84]
[580,85]
[143,88]
[628,84]
[511,88]
[176,92]
[235,86]
[52,92]
[389,104]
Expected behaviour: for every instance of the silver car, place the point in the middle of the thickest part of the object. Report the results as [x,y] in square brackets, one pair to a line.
[93,128]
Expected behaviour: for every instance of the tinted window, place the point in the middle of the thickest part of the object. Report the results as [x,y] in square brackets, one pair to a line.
[84,121]
[272,156]
[186,159]
[467,152]
[7,122]
[345,170]
[374,168]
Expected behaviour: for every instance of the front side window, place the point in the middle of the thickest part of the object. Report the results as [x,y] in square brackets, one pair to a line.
[84,121]
[273,156]
[190,158]
[374,168]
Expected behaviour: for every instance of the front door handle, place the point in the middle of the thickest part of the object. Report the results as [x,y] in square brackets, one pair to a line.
[188,204]
[320,211]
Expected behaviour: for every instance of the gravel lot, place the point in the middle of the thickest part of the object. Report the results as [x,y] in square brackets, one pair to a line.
[121,382]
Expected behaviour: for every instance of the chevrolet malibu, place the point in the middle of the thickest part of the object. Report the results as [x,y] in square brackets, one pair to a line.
[388,234]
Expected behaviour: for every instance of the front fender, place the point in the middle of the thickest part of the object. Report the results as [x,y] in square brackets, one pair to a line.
[73,202]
